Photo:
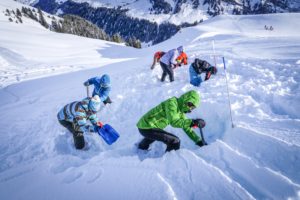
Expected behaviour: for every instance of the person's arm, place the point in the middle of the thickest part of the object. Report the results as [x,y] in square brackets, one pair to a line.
[185,62]
[90,81]
[154,62]
[192,135]
[104,94]
[179,120]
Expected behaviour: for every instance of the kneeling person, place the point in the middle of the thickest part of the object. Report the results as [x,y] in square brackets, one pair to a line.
[170,112]
[197,68]
[74,117]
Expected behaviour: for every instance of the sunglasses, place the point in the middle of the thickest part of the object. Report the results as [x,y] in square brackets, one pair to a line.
[191,105]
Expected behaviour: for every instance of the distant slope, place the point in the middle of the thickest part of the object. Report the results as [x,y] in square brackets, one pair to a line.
[155,21]
[29,50]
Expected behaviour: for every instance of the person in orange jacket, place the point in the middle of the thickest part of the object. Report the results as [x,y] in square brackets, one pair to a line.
[181,59]
[156,58]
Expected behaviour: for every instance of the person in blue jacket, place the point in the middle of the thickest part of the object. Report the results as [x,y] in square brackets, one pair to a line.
[74,117]
[101,87]
[197,68]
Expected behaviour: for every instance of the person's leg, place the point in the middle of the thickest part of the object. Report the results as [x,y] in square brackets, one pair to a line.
[67,125]
[170,72]
[146,141]
[77,134]
[164,74]
[78,137]
[151,135]
[196,81]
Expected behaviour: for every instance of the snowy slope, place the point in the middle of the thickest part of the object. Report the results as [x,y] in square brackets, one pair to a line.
[258,159]
[37,56]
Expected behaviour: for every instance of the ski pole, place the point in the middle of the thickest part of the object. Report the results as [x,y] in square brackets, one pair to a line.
[87,91]
[203,140]
[228,93]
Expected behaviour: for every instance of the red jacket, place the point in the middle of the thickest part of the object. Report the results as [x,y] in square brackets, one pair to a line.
[159,54]
[182,59]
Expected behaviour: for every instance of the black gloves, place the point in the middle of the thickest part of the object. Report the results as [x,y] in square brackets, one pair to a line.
[107,101]
[198,123]
[200,143]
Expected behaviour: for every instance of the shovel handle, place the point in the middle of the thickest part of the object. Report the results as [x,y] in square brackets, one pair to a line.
[202,137]
[87,91]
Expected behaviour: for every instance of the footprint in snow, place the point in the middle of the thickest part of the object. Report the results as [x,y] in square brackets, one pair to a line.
[72,177]
[93,177]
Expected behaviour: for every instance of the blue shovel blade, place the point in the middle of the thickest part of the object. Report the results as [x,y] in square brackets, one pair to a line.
[109,134]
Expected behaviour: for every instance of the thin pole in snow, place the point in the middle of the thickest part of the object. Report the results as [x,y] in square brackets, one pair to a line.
[228,93]
[214,53]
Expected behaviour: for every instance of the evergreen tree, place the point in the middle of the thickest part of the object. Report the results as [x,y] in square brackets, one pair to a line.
[42,20]
[117,38]
[19,14]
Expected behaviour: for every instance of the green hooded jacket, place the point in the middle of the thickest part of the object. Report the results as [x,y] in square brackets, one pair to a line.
[171,112]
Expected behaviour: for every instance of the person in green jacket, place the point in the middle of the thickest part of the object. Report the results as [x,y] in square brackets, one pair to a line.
[170,112]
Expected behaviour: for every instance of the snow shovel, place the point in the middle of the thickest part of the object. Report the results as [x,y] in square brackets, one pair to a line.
[109,134]
[203,140]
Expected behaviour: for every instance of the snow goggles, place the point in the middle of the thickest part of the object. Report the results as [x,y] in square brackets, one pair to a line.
[191,106]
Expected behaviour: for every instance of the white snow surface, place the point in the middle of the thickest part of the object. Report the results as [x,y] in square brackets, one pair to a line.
[257,159]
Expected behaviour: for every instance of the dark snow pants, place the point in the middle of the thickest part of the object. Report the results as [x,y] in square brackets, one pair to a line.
[151,135]
[167,69]
[77,134]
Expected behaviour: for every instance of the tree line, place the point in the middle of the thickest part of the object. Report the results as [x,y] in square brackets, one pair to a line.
[68,24]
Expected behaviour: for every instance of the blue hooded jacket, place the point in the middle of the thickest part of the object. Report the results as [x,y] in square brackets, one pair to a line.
[101,86]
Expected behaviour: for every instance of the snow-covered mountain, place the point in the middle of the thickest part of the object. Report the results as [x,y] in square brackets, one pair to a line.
[155,21]
[258,159]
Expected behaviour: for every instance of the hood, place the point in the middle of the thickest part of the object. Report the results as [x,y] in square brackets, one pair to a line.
[94,103]
[105,81]
[180,49]
[190,96]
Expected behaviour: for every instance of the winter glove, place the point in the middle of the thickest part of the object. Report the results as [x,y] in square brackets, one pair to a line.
[99,124]
[198,123]
[86,83]
[200,143]
[107,101]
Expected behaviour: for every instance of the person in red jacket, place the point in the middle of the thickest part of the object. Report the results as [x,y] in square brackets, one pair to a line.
[181,59]
[156,58]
